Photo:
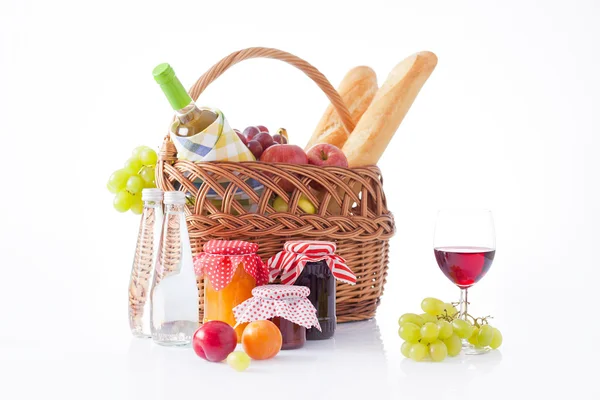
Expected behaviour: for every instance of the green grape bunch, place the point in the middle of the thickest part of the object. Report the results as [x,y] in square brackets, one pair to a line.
[439,331]
[128,182]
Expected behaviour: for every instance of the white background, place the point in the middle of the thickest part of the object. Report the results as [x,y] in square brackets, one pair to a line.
[508,121]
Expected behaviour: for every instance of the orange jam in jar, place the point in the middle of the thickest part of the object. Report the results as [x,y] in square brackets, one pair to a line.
[231,269]
[219,304]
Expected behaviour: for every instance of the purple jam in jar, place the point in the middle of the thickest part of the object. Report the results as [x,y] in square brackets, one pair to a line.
[318,278]
[293,335]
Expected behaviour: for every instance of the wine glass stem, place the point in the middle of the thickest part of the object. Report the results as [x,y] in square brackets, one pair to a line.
[464,301]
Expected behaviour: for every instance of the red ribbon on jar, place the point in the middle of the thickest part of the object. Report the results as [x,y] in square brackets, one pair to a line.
[221,258]
[296,253]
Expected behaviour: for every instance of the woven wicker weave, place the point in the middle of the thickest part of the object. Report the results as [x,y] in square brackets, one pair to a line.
[351,207]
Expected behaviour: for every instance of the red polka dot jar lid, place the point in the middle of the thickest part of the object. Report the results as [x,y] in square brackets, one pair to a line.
[278,292]
[289,263]
[284,301]
[220,260]
[230,247]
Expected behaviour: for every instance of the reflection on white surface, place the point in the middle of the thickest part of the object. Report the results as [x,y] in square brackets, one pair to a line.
[356,354]
[367,361]
[362,361]
[468,367]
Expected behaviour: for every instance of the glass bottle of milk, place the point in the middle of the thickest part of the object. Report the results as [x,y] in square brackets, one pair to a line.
[174,294]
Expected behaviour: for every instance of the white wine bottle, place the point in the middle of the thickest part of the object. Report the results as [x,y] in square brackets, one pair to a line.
[189,119]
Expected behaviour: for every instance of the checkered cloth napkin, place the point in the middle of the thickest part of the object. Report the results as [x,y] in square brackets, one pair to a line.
[218,142]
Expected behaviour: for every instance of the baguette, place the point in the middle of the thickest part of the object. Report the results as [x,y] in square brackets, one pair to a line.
[357,90]
[392,101]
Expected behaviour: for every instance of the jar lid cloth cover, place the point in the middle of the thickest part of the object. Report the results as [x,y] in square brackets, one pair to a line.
[220,259]
[284,301]
[296,253]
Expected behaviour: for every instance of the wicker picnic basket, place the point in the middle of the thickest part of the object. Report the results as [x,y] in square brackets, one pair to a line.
[351,207]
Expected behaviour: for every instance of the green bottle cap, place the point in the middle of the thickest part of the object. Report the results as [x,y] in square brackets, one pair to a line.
[170,85]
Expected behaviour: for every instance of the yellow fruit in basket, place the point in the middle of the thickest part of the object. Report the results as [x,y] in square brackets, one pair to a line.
[279,204]
[304,204]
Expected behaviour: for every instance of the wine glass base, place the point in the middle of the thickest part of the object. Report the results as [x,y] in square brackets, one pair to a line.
[470,350]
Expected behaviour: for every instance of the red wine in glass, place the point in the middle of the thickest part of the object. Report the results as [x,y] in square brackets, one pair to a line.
[464,265]
[464,244]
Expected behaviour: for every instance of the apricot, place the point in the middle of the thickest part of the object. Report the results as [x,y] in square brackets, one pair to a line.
[261,340]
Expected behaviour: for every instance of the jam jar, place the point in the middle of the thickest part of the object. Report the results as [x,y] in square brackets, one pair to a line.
[293,335]
[318,278]
[231,269]
[287,306]
[315,265]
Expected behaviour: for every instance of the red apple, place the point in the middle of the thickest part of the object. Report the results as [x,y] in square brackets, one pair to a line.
[325,154]
[214,340]
[285,153]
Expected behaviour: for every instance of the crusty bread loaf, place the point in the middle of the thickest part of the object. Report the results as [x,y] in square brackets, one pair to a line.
[392,101]
[357,89]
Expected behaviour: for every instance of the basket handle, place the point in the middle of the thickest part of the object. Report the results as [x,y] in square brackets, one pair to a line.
[263,52]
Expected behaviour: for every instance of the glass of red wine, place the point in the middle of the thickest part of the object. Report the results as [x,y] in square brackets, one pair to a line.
[464,244]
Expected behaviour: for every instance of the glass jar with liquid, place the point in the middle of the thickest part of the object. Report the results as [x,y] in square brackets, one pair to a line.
[231,269]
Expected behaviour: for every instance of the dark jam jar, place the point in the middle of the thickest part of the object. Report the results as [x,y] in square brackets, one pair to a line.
[293,335]
[317,276]
[313,265]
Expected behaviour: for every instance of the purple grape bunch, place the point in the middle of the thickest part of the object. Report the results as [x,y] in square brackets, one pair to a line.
[257,138]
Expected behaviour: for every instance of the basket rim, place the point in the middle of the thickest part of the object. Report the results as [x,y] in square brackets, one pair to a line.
[311,166]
